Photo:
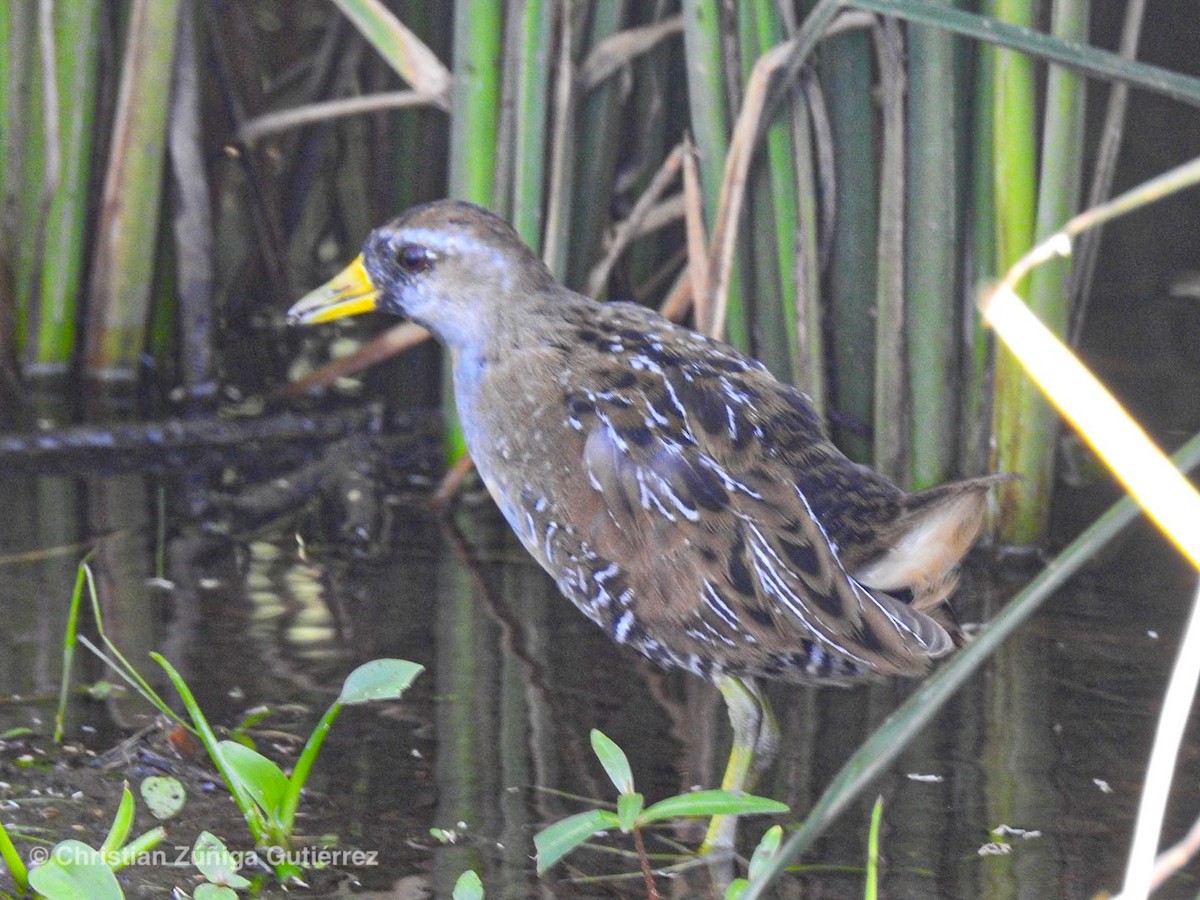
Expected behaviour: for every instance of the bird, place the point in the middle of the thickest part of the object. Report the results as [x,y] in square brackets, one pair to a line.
[683,498]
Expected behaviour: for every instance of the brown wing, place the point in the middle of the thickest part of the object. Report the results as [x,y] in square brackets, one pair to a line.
[693,527]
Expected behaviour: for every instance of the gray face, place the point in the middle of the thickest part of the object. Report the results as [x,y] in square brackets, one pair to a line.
[449,266]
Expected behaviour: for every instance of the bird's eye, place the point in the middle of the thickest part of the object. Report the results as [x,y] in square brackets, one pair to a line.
[413,258]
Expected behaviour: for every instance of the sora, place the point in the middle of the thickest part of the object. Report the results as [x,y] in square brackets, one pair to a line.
[685,500]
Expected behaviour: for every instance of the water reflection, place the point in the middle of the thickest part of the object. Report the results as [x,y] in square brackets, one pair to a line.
[492,742]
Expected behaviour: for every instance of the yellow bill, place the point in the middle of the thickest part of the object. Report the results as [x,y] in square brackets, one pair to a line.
[349,293]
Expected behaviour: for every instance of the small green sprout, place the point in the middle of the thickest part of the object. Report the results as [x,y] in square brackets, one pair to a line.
[219,868]
[632,814]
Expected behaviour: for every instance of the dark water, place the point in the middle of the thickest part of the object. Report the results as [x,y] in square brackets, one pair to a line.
[1051,738]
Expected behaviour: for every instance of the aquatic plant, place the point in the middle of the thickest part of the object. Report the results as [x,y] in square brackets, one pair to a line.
[632,815]
[75,871]
[267,798]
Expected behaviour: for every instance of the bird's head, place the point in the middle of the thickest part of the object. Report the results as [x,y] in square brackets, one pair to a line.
[450,266]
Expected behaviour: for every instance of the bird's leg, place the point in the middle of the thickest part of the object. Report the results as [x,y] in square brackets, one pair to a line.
[755,743]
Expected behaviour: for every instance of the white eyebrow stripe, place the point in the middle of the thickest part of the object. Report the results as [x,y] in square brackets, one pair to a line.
[450,243]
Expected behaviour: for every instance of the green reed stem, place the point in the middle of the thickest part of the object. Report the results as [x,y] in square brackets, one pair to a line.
[709,117]
[847,70]
[1035,428]
[931,286]
[474,119]
[1022,511]
[597,138]
[123,263]
[537,21]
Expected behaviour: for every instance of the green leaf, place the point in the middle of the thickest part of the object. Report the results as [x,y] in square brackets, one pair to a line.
[763,853]
[468,886]
[629,807]
[380,679]
[122,823]
[767,848]
[163,795]
[614,761]
[260,776]
[561,838]
[75,871]
[711,803]
[215,862]
[210,891]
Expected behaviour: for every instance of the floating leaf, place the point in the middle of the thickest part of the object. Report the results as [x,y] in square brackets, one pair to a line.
[75,871]
[163,795]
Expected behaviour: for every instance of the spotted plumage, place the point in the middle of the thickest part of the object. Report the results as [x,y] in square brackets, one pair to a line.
[683,498]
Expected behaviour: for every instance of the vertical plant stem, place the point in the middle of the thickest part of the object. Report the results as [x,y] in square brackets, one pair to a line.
[1088,245]
[774,218]
[846,70]
[810,371]
[475,108]
[474,118]
[532,93]
[556,243]
[1036,426]
[709,117]
[975,435]
[932,326]
[70,641]
[12,860]
[193,219]
[708,114]
[891,402]
[1014,157]
[597,139]
[57,275]
[21,146]
[122,265]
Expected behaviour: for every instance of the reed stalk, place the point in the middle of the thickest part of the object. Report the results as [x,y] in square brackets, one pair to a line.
[773,210]
[1014,158]
[49,66]
[846,69]
[975,434]
[890,404]
[933,323]
[474,119]
[595,133]
[533,81]
[1035,429]
[708,116]
[122,268]
[810,369]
